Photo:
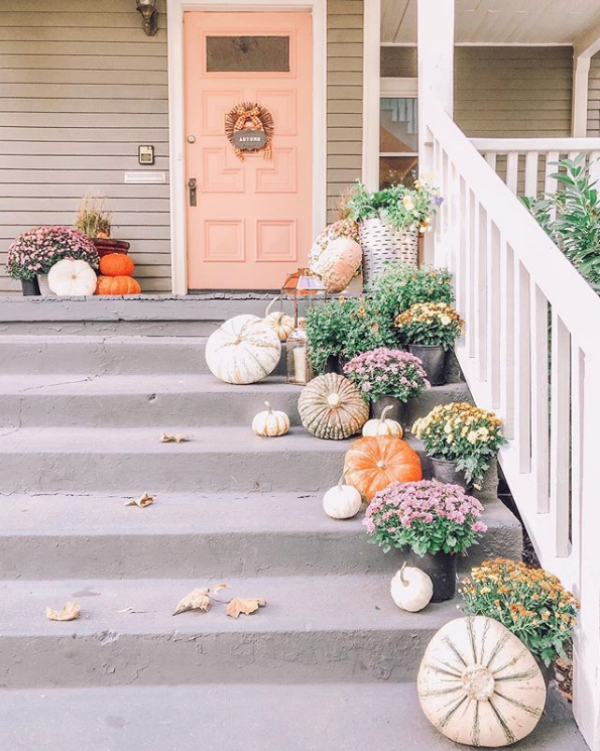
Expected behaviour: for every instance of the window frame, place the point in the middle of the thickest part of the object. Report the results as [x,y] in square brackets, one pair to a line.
[396,88]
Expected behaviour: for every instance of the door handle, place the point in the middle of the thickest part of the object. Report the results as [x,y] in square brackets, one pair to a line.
[193,191]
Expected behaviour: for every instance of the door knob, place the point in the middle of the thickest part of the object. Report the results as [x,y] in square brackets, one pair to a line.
[192,189]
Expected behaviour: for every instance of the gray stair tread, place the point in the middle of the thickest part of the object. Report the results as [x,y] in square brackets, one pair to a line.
[213,717]
[184,514]
[301,604]
[227,440]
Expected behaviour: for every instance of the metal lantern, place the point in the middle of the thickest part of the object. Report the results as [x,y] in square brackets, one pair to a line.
[304,290]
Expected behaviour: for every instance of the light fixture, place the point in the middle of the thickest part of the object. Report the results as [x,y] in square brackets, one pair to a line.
[149,16]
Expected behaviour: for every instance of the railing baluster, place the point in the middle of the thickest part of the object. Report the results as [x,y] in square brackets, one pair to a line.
[577,418]
[507,337]
[460,279]
[512,171]
[490,158]
[539,396]
[522,368]
[480,319]
[560,431]
[494,308]
[532,174]
[472,282]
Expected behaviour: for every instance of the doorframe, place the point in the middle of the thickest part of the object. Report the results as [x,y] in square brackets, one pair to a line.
[175,11]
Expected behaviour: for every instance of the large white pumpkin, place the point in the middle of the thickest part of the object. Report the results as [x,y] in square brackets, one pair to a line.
[338,263]
[70,278]
[479,685]
[244,350]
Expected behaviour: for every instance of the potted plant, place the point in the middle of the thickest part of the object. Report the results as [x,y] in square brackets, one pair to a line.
[95,221]
[530,602]
[390,221]
[33,253]
[431,523]
[341,329]
[461,441]
[387,377]
[429,330]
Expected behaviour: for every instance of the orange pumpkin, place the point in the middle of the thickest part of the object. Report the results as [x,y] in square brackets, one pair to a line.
[117,285]
[371,464]
[116,264]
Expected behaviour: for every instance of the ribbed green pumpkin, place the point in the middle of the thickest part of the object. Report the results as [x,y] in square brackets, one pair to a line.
[332,407]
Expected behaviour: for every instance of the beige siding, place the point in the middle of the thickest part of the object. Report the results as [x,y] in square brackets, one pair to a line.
[514,91]
[81,86]
[593,120]
[344,98]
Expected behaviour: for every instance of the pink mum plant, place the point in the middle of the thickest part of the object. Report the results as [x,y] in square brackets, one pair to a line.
[387,372]
[37,250]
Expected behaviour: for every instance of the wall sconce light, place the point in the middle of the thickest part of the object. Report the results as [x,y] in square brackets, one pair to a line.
[149,16]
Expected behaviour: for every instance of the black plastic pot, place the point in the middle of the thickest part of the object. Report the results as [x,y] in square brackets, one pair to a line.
[441,568]
[434,362]
[444,470]
[31,288]
[396,413]
[335,364]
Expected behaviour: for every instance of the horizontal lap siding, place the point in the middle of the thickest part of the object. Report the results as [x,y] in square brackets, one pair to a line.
[344,98]
[511,92]
[593,120]
[81,86]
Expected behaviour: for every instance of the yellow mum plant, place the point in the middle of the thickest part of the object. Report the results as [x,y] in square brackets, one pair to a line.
[464,434]
[530,602]
[430,323]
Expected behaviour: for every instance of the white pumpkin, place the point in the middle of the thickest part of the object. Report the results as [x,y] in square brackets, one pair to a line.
[271,423]
[479,685]
[244,350]
[281,322]
[342,501]
[338,264]
[72,278]
[411,589]
[383,426]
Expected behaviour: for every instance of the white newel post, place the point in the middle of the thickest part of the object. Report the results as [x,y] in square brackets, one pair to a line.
[435,39]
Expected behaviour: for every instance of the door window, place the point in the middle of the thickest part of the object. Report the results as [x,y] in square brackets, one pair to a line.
[247,54]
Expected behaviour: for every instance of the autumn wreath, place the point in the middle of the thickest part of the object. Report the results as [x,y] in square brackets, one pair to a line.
[257,117]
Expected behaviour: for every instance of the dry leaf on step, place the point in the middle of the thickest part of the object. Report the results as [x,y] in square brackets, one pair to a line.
[220,588]
[197,599]
[142,502]
[170,438]
[68,612]
[245,605]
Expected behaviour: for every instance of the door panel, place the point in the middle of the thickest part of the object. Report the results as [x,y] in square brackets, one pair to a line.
[252,222]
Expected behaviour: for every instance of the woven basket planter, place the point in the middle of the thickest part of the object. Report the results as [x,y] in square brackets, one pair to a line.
[382,244]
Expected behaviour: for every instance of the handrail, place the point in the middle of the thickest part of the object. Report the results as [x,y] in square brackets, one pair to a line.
[522,145]
[575,300]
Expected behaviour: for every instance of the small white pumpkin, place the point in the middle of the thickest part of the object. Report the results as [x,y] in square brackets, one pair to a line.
[271,423]
[383,426]
[411,589]
[342,501]
[70,278]
[480,685]
[244,350]
[281,322]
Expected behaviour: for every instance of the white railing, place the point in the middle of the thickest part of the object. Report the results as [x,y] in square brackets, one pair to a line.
[526,165]
[532,354]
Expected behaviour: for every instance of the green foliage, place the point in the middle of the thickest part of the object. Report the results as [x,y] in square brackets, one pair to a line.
[571,217]
[398,206]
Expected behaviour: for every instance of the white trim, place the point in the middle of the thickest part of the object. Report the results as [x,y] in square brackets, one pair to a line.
[399,87]
[581,81]
[175,10]
[371,84]
[588,43]
[486,44]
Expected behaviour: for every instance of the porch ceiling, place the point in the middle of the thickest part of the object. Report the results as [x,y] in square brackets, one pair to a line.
[499,21]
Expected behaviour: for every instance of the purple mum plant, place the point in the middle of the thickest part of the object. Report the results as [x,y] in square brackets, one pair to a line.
[387,372]
[37,250]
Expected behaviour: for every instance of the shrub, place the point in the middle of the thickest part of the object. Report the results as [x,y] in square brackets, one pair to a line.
[37,250]
[429,323]
[387,372]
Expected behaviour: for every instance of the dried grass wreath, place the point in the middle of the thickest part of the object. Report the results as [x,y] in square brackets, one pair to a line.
[260,119]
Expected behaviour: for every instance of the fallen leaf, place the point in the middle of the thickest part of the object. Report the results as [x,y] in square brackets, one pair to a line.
[220,588]
[69,612]
[245,605]
[145,500]
[173,438]
[197,599]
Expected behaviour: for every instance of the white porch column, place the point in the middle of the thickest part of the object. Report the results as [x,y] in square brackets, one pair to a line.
[581,75]
[371,88]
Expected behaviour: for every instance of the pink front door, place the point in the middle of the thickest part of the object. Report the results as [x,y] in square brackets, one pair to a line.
[252,222]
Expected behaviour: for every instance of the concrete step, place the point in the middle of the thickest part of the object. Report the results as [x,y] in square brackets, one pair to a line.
[313,629]
[65,400]
[242,717]
[74,537]
[129,461]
